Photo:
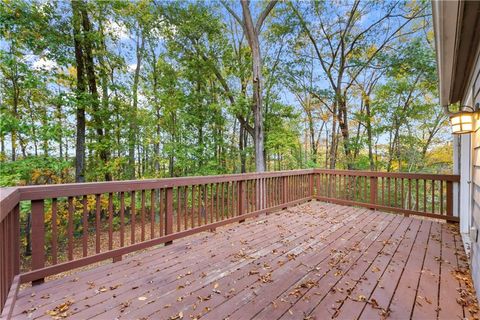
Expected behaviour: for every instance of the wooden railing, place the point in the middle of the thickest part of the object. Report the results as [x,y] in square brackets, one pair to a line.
[73,225]
[428,195]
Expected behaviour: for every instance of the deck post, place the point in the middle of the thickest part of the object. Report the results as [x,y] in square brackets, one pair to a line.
[169,213]
[16,240]
[373,191]
[241,199]
[38,237]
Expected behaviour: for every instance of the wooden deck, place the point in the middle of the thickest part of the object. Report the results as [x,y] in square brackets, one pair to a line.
[314,261]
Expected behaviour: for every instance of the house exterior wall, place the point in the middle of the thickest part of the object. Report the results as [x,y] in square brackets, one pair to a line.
[472,96]
[465,187]
[476,206]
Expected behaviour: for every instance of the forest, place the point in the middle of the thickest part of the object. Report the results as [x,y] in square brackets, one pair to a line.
[115,90]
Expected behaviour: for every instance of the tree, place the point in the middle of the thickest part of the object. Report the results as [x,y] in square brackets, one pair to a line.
[80,92]
[116,90]
[252,32]
[345,46]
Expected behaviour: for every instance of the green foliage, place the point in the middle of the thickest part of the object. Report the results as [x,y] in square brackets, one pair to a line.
[194,90]
[34,170]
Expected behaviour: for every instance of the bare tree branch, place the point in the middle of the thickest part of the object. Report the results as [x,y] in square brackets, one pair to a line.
[230,10]
[264,15]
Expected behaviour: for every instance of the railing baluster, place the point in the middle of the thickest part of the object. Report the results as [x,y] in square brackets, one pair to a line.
[227,191]
[169,213]
[185,208]
[409,194]
[142,215]
[389,186]
[222,203]
[365,189]
[122,219]
[110,221]
[70,228]
[210,201]
[373,190]
[395,193]
[417,200]
[199,206]
[85,226]
[152,214]
[402,200]
[97,223]
[241,198]
[133,217]
[433,196]
[54,231]
[192,212]
[383,190]
[178,209]
[441,197]
[122,222]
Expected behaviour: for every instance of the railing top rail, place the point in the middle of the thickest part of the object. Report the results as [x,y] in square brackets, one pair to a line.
[78,189]
[421,176]
[9,198]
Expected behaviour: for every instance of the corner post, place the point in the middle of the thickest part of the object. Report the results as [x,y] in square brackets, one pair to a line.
[38,237]
[16,240]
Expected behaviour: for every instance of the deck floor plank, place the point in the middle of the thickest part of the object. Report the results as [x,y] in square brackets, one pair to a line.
[426,305]
[387,284]
[288,276]
[244,272]
[449,308]
[306,292]
[312,261]
[404,298]
[170,270]
[359,285]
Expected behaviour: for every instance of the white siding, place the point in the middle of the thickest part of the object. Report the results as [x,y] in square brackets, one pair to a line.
[471,98]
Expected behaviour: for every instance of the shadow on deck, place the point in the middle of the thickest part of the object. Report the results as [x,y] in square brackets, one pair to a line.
[313,261]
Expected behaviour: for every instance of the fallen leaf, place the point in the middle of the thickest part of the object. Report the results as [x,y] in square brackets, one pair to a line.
[177,316]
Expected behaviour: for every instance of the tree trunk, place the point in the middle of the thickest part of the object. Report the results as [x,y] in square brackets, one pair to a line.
[369,135]
[80,112]
[252,36]
[105,101]
[156,145]
[343,125]
[241,148]
[333,144]
[92,85]
[133,117]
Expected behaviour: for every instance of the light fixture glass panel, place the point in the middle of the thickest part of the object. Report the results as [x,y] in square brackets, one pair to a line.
[456,128]
[466,118]
[455,119]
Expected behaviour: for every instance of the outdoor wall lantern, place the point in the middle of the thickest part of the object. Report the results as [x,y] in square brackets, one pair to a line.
[463,121]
